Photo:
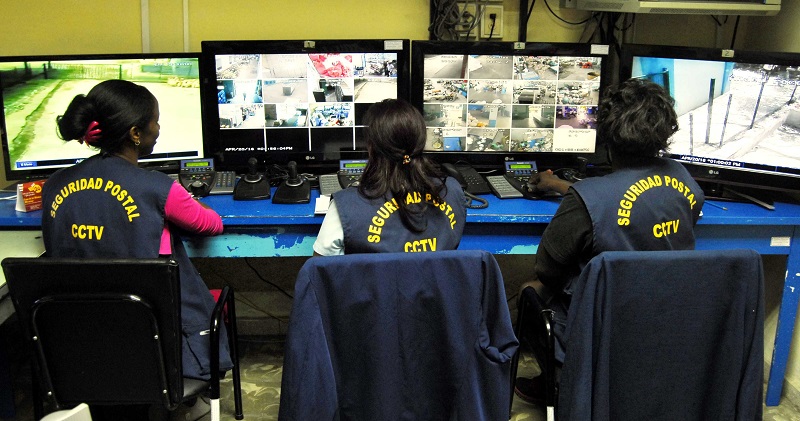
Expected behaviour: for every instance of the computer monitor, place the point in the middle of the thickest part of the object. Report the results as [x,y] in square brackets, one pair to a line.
[303,101]
[37,89]
[738,116]
[486,103]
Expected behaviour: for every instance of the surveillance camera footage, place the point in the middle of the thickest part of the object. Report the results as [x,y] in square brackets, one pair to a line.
[742,115]
[491,103]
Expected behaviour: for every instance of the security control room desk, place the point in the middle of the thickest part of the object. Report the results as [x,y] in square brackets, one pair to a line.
[511,226]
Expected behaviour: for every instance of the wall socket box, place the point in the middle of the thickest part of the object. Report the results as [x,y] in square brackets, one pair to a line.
[486,22]
[468,17]
[470,12]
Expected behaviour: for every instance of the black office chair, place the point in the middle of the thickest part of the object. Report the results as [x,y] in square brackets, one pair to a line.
[108,332]
[662,335]
[534,330]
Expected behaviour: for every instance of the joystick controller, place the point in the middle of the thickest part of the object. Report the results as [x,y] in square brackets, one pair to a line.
[253,185]
[295,189]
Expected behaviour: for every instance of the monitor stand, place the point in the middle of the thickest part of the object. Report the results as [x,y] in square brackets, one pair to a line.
[720,192]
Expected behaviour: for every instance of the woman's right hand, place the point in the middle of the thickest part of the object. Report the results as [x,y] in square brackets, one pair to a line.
[546,181]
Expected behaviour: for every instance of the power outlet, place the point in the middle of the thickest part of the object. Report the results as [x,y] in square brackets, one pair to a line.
[468,16]
[486,23]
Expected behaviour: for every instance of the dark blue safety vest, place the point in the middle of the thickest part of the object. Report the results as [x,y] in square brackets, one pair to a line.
[374,225]
[106,207]
[649,207]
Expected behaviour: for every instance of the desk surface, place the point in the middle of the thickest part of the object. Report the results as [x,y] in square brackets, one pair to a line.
[262,228]
[264,212]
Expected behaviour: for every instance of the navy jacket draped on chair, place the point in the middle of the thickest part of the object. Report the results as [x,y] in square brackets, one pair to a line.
[399,336]
[666,335]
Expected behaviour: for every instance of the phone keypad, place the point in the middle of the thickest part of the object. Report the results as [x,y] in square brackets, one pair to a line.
[502,188]
[329,184]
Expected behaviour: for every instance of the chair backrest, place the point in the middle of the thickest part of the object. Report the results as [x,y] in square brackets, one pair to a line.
[665,335]
[398,335]
[105,331]
[79,413]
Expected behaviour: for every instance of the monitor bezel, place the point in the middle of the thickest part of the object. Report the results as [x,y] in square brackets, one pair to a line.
[496,160]
[168,165]
[308,161]
[715,177]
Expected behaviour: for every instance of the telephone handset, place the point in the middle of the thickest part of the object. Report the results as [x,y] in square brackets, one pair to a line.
[350,171]
[468,177]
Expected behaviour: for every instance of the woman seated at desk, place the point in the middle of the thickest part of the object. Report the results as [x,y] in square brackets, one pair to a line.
[402,203]
[106,206]
[646,203]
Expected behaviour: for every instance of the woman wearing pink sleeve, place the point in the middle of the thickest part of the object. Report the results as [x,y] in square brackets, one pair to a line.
[108,207]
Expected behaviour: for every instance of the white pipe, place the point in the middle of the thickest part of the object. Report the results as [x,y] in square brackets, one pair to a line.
[186,47]
[145,5]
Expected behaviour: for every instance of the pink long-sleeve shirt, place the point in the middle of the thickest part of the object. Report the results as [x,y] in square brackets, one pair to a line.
[186,213]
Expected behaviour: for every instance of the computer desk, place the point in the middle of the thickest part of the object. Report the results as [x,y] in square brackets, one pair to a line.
[510,226]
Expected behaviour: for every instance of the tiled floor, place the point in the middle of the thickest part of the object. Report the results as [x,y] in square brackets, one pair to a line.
[261,369]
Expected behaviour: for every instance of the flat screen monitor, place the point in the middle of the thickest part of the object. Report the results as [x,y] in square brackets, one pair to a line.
[490,102]
[35,90]
[738,116]
[303,101]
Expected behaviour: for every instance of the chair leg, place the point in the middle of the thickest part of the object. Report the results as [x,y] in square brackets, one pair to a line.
[522,305]
[549,365]
[226,301]
[233,343]
[38,403]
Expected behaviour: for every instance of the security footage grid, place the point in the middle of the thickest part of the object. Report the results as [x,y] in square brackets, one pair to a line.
[36,92]
[271,93]
[499,103]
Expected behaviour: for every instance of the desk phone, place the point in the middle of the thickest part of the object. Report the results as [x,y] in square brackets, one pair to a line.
[514,182]
[201,174]
[350,171]
[329,184]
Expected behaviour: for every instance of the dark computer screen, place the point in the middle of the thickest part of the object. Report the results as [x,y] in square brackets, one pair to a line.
[35,90]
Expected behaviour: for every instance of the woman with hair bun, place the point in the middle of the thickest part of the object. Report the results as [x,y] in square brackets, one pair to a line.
[108,207]
[402,203]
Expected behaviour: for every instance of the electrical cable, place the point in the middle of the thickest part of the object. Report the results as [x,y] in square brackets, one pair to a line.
[718,22]
[247,261]
[624,28]
[530,11]
[240,298]
[566,21]
[469,198]
[249,303]
[735,29]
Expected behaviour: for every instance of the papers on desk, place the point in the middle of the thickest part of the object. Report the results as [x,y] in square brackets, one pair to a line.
[321,205]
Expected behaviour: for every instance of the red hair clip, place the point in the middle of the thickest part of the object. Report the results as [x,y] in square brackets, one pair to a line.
[92,133]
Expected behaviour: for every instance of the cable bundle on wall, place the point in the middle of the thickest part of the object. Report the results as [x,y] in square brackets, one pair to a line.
[456,20]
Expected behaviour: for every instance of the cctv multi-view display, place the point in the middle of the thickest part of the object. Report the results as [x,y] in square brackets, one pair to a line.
[738,116]
[35,90]
[508,98]
[304,100]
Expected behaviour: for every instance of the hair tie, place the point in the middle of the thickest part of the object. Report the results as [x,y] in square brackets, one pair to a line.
[92,134]
[406,159]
